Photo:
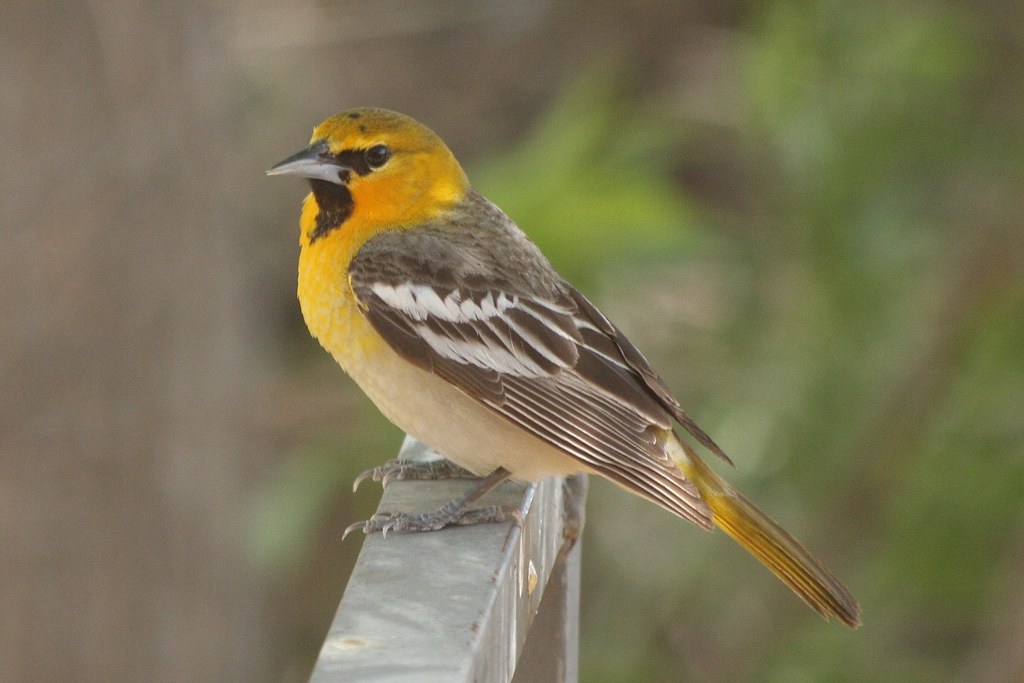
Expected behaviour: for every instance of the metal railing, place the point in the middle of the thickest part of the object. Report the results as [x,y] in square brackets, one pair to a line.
[485,603]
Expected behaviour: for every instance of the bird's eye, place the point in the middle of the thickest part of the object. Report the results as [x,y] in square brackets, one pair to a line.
[377,155]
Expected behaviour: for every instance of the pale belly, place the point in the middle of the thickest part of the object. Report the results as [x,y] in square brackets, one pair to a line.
[420,403]
[457,426]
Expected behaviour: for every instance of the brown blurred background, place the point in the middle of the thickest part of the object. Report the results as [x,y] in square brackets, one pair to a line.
[818,203]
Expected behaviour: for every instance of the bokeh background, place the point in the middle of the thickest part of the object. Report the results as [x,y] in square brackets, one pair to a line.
[808,214]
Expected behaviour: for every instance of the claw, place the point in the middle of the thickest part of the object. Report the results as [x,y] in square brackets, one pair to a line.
[350,528]
[360,479]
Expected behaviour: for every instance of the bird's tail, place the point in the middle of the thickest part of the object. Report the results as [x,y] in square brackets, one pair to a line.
[772,545]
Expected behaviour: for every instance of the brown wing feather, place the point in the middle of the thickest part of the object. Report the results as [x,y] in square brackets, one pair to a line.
[636,361]
[547,361]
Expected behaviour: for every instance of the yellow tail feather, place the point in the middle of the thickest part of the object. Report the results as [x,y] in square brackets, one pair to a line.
[773,545]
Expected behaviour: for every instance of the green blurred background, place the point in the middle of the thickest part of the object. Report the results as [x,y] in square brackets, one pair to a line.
[819,206]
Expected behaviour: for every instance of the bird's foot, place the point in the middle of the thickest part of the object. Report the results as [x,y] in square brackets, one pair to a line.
[413,470]
[450,515]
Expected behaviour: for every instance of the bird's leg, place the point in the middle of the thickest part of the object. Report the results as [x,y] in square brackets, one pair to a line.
[454,513]
[413,470]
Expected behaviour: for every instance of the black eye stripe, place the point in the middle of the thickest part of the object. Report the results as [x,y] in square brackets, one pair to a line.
[357,159]
[354,159]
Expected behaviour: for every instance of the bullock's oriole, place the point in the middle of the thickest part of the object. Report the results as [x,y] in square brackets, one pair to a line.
[457,327]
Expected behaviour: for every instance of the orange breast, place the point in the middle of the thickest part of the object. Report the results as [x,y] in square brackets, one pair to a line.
[328,304]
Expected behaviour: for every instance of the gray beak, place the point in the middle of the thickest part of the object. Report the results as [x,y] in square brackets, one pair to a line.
[315,161]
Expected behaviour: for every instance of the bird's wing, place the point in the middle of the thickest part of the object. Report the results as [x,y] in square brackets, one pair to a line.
[551,364]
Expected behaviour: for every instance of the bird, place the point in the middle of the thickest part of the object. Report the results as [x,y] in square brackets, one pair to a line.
[452,321]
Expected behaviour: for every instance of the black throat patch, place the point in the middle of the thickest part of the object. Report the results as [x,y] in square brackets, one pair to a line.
[335,202]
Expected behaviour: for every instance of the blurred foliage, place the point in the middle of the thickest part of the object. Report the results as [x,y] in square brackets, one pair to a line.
[288,516]
[855,341]
[591,180]
[294,504]
[881,343]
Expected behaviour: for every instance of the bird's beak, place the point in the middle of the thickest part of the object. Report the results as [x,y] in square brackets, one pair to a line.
[315,161]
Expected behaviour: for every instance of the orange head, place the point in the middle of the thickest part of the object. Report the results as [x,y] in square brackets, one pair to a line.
[375,168]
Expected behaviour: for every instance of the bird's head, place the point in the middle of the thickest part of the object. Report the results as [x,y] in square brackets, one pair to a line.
[376,167]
